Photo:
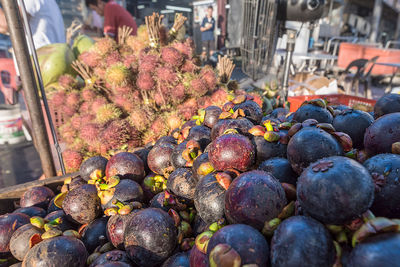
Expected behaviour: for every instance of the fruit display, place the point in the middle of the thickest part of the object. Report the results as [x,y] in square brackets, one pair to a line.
[217,192]
[135,90]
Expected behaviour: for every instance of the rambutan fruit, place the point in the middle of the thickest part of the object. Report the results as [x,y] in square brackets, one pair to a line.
[233,85]
[159,99]
[73,99]
[198,87]
[58,99]
[90,58]
[113,58]
[131,61]
[85,108]
[76,121]
[67,133]
[205,101]
[173,120]
[123,90]
[116,134]
[171,56]
[145,81]
[97,103]
[68,111]
[107,112]
[219,97]
[149,137]
[105,46]
[89,133]
[208,75]
[72,160]
[77,145]
[166,74]
[189,66]
[148,62]
[88,93]
[118,75]
[99,71]
[178,93]
[140,118]
[67,82]
[87,118]
[159,127]
[257,98]
[123,101]
[184,48]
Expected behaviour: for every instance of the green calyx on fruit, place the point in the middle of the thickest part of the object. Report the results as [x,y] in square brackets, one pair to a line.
[58,201]
[156,183]
[96,174]
[92,257]
[287,211]
[112,182]
[326,127]
[192,151]
[231,131]
[375,226]
[217,225]
[72,233]
[257,130]
[270,227]
[205,168]
[111,211]
[37,221]
[201,113]
[224,255]
[51,233]
[272,136]
[202,241]
[322,166]
[239,99]
[344,140]
[106,196]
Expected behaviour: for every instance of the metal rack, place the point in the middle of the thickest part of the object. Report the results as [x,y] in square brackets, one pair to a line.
[259,36]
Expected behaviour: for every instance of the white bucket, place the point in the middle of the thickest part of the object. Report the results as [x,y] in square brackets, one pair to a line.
[11,131]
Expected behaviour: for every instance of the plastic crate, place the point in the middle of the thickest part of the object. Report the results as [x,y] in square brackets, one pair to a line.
[337,99]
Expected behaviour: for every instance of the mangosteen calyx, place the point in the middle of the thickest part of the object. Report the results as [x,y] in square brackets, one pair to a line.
[322,166]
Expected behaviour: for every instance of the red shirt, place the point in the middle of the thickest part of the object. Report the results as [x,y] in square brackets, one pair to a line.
[116,16]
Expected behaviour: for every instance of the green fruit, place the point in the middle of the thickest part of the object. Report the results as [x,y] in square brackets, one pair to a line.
[55,60]
[82,43]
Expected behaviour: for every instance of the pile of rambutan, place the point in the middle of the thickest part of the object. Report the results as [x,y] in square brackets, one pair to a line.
[134,91]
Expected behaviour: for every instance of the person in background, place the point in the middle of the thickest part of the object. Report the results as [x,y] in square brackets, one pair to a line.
[45,20]
[207,34]
[115,16]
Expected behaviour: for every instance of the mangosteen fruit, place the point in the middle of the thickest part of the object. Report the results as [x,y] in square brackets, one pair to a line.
[387,104]
[60,251]
[311,111]
[19,242]
[382,250]
[380,136]
[111,256]
[65,223]
[32,211]
[251,110]
[158,201]
[180,259]
[354,123]
[198,258]
[279,113]
[160,159]
[39,196]
[335,190]
[209,199]
[254,198]
[200,170]
[305,240]
[82,204]
[385,170]
[199,225]
[125,191]
[211,116]
[76,182]
[182,183]
[9,223]
[177,158]
[152,184]
[281,169]
[232,151]
[92,167]
[127,166]
[242,125]
[201,134]
[143,153]
[150,237]
[266,150]
[114,264]
[95,234]
[243,243]
[309,145]
[116,229]
[167,139]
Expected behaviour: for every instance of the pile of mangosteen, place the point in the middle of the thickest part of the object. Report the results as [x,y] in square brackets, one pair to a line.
[232,187]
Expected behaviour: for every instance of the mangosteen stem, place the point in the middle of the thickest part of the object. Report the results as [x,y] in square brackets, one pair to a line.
[118,203]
